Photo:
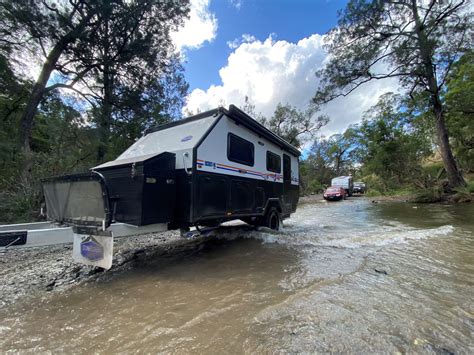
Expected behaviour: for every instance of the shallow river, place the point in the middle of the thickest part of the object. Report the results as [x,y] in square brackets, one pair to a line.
[350,276]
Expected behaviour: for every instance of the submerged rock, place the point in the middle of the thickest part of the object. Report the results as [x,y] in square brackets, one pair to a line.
[50,286]
[380,271]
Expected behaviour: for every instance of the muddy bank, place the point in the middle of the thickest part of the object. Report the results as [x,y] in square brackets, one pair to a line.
[35,271]
[381,198]
[442,199]
[311,199]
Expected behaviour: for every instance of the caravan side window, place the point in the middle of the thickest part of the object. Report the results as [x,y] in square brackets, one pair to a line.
[240,150]
[273,162]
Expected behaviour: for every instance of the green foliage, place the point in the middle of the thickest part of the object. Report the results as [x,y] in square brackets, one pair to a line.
[462,195]
[460,106]
[315,186]
[465,193]
[374,183]
[292,124]
[398,35]
[419,46]
[131,79]
[433,170]
[316,168]
[13,94]
[138,79]
[137,110]
[331,157]
[429,195]
[373,193]
[20,199]
[401,191]
[389,147]
[118,55]
[342,151]
[413,43]
[62,144]
[470,187]
[384,151]
[388,151]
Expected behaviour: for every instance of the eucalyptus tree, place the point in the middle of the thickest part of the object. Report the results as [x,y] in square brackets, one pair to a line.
[317,168]
[387,144]
[131,55]
[76,40]
[415,41]
[137,108]
[40,29]
[294,125]
[460,117]
[340,149]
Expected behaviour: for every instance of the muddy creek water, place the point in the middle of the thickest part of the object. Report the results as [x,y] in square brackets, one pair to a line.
[350,276]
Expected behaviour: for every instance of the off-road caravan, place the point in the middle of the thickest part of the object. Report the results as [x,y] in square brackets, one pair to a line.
[210,168]
[345,182]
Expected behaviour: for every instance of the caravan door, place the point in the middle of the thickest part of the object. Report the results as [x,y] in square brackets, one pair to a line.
[286,184]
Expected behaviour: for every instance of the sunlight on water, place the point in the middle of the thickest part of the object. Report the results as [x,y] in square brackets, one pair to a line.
[336,228]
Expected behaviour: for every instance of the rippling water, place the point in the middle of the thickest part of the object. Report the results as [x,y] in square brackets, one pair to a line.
[341,277]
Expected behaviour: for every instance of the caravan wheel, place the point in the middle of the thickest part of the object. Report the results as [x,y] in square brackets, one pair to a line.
[253,221]
[272,219]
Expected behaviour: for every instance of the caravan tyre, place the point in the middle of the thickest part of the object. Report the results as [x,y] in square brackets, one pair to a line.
[272,219]
[253,221]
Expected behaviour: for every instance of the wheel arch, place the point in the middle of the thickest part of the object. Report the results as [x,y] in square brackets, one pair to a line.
[273,202]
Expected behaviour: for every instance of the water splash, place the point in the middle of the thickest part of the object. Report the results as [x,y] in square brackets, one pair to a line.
[320,231]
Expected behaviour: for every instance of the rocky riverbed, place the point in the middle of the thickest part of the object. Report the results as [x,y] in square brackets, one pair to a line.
[27,272]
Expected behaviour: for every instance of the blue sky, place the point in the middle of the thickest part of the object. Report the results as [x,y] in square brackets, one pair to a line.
[283,19]
[267,51]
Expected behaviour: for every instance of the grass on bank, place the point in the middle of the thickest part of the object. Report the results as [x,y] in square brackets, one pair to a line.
[465,194]
[430,194]
[429,185]
[398,192]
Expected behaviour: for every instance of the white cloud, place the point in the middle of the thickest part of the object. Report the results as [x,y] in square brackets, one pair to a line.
[236,3]
[272,71]
[199,28]
[248,38]
[245,38]
[233,44]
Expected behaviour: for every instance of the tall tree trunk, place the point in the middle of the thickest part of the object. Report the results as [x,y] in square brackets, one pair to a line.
[106,110]
[105,117]
[27,117]
[452,171]
[455,178]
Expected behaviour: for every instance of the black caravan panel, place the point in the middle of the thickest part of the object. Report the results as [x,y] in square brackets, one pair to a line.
[287,194]
[142,190]
[242,195]
[80,199]
[212,198]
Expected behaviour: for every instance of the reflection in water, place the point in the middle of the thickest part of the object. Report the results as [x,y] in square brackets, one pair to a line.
[350,276]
